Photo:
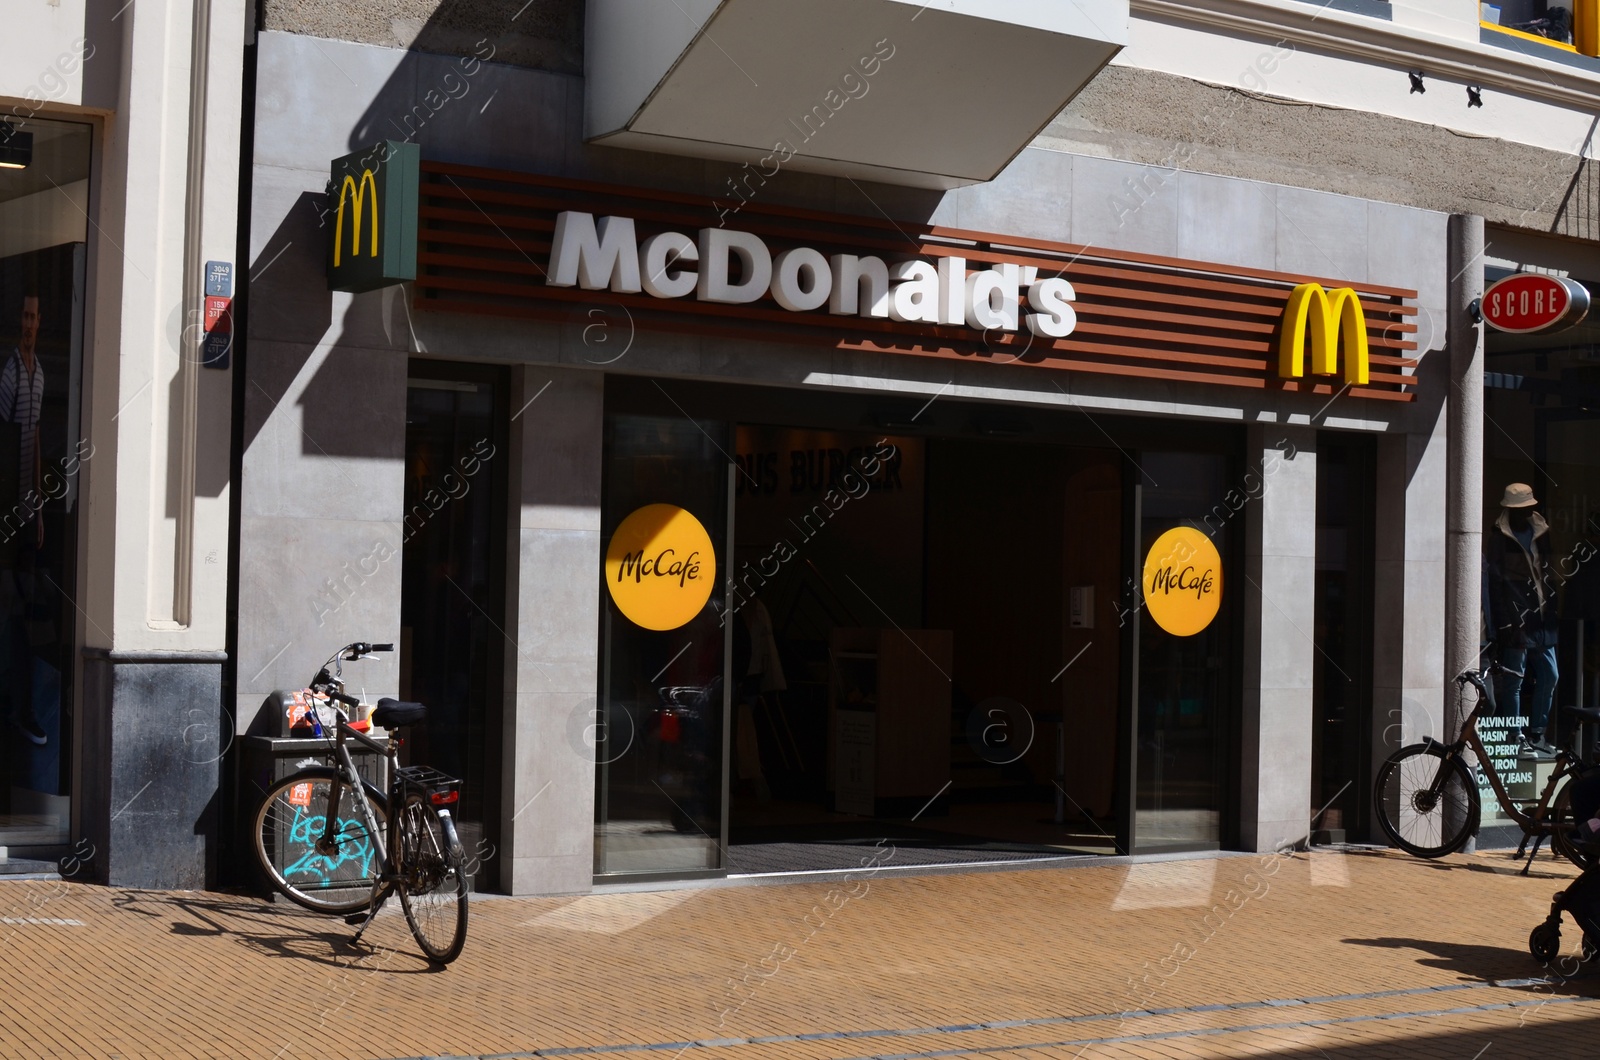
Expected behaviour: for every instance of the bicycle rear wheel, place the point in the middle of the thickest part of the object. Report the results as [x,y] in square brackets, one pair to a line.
[1427,804]
[288,828]
[1563,838]
[433,880]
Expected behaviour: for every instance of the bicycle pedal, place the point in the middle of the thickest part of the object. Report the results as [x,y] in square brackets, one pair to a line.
[356,919]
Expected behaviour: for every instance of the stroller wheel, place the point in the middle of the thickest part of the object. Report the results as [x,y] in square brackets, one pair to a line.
[1544,942]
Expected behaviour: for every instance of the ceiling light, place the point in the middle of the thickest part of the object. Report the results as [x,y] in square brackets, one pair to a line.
[16,147]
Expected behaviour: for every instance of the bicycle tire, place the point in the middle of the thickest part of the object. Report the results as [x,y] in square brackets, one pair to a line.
[284,826]
[432,880]
[1423,822]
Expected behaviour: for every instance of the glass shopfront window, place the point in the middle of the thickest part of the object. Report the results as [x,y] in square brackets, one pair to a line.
[659,739]
[44,199]
[1186,686]
[1541,525]
[913,638]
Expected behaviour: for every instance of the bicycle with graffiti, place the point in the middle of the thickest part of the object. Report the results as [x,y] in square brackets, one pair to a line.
[400,841]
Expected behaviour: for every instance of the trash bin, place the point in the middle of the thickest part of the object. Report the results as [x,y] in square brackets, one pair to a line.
[265,760]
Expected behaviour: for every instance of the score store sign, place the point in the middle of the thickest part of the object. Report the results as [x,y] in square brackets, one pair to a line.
[733,267]
[1528,302]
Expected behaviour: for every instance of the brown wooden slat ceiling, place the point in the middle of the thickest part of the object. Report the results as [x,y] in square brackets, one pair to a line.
[484,240]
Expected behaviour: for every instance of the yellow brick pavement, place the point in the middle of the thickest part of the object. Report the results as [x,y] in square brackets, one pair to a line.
[1332,955]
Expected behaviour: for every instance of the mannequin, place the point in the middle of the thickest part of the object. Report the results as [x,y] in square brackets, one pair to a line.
[1523,606]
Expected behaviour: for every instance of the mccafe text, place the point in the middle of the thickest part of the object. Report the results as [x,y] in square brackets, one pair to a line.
[1185,580]
[662,565]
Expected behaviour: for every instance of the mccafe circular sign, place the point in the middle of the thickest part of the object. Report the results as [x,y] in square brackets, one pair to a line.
[1527,302]
[1183,581]
[660,566]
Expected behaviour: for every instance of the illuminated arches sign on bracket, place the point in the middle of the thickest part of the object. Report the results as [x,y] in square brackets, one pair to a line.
[372,217]
[660,566]
[1528,302]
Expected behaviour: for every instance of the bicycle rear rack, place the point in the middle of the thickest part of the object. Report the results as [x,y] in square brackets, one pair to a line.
[427,779]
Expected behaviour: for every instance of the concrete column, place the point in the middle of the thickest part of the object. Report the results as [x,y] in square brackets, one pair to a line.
[155,521]
[1464,487]
[553,607]
[1280,600]
[1408,663]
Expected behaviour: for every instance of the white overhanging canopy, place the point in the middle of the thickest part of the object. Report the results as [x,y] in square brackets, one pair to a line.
[928,93]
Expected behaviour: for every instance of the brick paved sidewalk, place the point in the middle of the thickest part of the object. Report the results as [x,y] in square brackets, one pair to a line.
[1326,955]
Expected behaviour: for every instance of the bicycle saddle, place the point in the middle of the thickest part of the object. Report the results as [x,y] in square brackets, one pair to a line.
[393,713]
[1586,713]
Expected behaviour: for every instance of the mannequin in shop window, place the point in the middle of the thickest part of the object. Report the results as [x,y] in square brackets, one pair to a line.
[755,657]
[1522,602]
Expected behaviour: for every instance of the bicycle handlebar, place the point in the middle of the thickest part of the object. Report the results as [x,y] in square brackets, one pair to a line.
[1477,677]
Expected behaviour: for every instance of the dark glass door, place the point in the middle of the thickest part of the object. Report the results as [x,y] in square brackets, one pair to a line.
[1184,689]
[1341,690]
[44,449]
[660,739]
[452,604]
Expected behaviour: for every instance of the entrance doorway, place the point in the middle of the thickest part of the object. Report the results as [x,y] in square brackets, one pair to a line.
[916,671]
[923,643]
[452,640]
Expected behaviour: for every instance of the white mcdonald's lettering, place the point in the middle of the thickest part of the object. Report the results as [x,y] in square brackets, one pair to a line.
[1335,319]
[351,191]
[607,254]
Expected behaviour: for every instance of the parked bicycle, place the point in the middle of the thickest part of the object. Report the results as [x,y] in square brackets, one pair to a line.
[334,843]
[1427,796]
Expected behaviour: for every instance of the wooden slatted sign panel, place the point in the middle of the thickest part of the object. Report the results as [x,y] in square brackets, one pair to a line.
[485,246]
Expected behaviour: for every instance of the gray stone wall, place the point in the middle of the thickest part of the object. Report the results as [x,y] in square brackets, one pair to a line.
[322,469]
[543,34]
[1177,123]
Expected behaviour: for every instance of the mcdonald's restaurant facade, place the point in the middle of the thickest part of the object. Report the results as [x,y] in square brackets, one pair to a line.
[733,519]
[772,463]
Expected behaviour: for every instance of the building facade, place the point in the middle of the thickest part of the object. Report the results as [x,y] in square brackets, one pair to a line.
[119,176]
[955,389]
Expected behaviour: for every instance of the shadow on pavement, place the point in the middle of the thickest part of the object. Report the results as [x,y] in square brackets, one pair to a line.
[278,930]
[1558,869]
[1499,963]
[1545,1032]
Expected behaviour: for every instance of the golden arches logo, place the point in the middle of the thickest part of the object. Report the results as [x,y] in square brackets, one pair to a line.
[348,191]
[1335,319]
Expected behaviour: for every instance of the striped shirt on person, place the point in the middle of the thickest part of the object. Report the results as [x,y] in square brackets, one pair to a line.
[21,401]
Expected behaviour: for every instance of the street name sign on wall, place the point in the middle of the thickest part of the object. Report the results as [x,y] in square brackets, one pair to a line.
[372,217]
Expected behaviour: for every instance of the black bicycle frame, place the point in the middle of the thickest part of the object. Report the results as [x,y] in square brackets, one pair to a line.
[336,787]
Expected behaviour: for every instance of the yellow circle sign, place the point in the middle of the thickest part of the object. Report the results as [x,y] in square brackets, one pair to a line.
[659,567]
[1183,581]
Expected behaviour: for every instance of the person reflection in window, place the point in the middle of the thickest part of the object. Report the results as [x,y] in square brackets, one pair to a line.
[21,401]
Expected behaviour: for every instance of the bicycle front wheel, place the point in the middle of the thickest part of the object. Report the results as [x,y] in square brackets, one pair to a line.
[1427,804]
[433,880]
[333,876]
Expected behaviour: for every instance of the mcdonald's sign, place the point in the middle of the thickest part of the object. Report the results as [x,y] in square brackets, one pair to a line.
[1334,319]
[372,217]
